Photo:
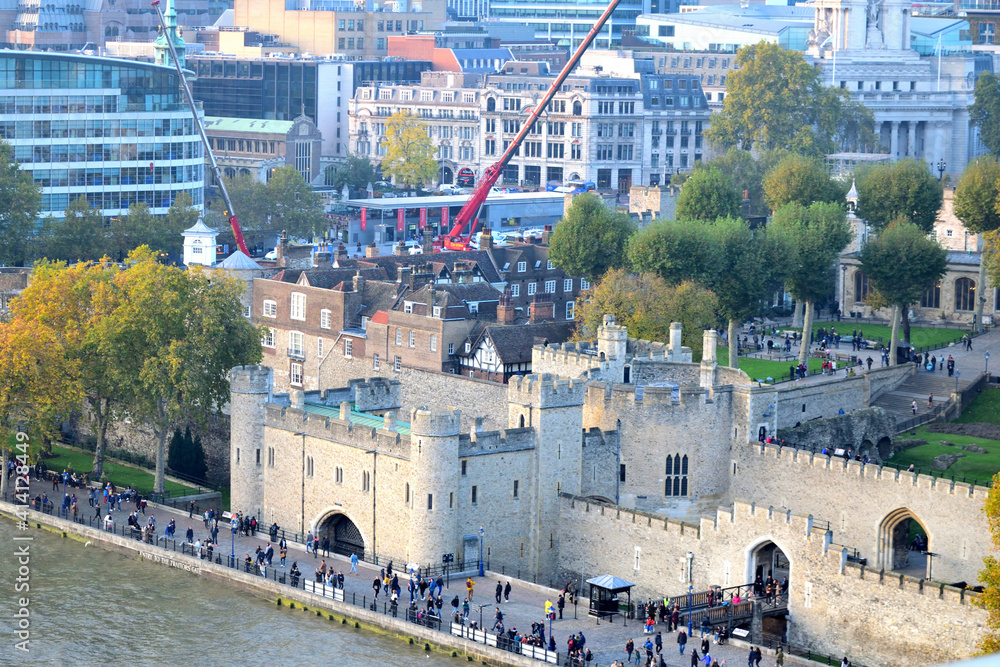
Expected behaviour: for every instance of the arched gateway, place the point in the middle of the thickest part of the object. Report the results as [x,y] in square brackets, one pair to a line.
[345,537]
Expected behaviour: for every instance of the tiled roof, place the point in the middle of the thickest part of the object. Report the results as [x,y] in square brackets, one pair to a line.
[513,343]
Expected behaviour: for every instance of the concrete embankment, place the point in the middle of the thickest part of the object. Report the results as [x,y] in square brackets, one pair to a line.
[341,612]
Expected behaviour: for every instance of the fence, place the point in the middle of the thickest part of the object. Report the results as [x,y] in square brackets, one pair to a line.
[412,614]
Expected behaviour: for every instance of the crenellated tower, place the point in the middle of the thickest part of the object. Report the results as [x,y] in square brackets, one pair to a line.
[434,466]
[250,388]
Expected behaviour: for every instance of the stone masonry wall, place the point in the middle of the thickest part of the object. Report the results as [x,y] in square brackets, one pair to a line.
[861,430]
[831,607]
[857,498]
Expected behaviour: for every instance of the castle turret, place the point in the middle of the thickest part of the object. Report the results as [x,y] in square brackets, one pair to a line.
[612,345]
[250,389]
[434,478]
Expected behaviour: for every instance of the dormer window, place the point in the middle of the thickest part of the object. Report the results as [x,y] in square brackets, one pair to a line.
[437,312]
[407,306]
[550,265]
[522,267]
[474,307]
[468,347]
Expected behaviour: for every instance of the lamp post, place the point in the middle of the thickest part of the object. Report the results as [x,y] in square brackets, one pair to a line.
[941,166]
[690,607]
[956,381]
[843,289]
[65,478]
[482,571]
[233,525]
[987,366]
[930,563]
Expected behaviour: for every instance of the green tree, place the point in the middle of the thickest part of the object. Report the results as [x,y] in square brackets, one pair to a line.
[590,238]
[989,576]
[249,197]
[675,250]
[167,234]
[747,173]
[130,231]
[802,180]
[647,305]
[812,237]
[20,200]
[285,203]
[905,188]
[186,455]
[775,99]
[79,235]
[748,265]
[985,111]
[356,172]
[902,263]
[977,205]
[708,194]
[409,152]
[175,335]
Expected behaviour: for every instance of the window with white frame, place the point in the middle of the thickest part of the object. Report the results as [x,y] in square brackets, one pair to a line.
[295,375]
[324,319]
[550,287]
[515,290]
[397,363]
[270,309]
[268,339]
[451,348]
[348,348]
[426,95]
[295,343]
[549,265]
[407,306]
[522,267]
[570,310]
[364,323]
[413,339]
[468,347]
[298,307]
[247,311]
[584,284]
[399,336]
[319,348]
[531,288]
[434,342]
[437,312]
[568,285]
[375,363]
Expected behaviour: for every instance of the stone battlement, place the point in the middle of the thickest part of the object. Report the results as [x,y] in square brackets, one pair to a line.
[568,357]
[625,396]
[545,390]
[792,456]
[337,430]
[911,584]
[377,394]
[250,380]
[435,422]
[492,442]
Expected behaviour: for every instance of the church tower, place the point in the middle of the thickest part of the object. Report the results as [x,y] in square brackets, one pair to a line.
[171,33]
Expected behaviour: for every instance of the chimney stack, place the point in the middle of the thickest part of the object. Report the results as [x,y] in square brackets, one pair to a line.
[541,311]
[400,249]
[322,259]
[359,282]
[486,239]
[546,234]
[427,240]
[506,315]
[371,250]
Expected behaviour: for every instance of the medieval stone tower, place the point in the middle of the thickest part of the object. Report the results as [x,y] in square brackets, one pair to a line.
[434,476]
[612,346]
[553,406]
[250,389]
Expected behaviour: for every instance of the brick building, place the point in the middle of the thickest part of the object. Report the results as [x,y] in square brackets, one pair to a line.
[258,147]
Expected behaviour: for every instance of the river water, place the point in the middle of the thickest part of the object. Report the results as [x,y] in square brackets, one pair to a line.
[89,606]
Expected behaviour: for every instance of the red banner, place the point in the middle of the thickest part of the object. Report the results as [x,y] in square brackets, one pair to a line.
[364,219]
[423,218]
[400,214]
[444,218]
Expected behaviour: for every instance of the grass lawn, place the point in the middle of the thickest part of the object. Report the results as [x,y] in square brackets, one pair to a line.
[981,467]
[921,337]
[118,474]
[984,408]
[759,369]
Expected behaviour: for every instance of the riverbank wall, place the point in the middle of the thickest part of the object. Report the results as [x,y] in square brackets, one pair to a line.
[358,617]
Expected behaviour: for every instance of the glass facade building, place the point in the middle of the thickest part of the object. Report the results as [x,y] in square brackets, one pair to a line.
[116,132]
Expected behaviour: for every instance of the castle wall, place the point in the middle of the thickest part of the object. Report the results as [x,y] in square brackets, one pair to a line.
[801,403]
[857,498]
[650,371]
[566,360]
[599,465]
[831,607]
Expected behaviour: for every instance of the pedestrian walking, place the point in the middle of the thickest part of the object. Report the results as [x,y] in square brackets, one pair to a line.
[506,592]
[191,510]
[470,586]
[779,659]
[499,592]
[326,546]
[913,406]
[629,647]
[930,401]
[315,542]
[309,541]
[354,563]
[682,642]
[561,603]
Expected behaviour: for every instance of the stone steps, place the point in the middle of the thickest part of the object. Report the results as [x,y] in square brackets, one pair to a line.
[918,387]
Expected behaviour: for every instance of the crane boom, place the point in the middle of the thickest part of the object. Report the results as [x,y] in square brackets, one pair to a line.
[469,215]
[233,222]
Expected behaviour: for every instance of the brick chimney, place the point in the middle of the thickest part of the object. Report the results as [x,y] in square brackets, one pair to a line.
[371,250]
[342,251]
[359,282]
[486,239]
[323,258]
[427,240]
[400,249]
[540,311]
[546,234]
[506,315]
[403,274]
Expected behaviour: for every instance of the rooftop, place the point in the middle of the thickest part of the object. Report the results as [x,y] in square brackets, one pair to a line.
[224,124]
[360,418]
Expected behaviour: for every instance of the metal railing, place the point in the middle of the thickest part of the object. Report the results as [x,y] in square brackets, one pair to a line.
[413,613]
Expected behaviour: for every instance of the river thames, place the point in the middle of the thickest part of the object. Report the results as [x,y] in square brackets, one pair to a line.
[89,606]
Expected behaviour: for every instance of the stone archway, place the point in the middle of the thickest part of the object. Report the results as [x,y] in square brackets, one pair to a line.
[903,542]
[767,559]
[345,536]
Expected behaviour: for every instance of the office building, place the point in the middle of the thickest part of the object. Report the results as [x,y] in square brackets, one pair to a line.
[116,132]
[567,23]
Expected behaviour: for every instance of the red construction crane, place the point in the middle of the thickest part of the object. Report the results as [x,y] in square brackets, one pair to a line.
[469,215]
[233,222]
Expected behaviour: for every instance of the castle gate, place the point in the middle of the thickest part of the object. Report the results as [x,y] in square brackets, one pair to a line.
[345,536]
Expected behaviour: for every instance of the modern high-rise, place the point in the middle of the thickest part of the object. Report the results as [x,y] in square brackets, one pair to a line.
[114,131]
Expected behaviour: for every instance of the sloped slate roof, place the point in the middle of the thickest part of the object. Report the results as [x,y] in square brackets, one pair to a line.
[610,582]
[238,261]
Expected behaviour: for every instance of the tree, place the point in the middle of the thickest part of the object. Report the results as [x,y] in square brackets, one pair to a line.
[647,305]
[286,202]
[590,238]
[75,303]
[79,235]
[356,172]
[130,231]
[708,194]
[175,335]
[989,576]
[675,250]
[409,152]
[812,237]
[977,205]
[775,99]
[902,263]
[186,455]
[168,234]
[905,188]
[748,264]
[249,197]
[802,180]
[985,111]
[747,174]
[20,200]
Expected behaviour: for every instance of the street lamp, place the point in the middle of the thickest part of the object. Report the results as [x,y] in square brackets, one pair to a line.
[690,557]
[233,524]
[987,366]
[482,572]
[956,381]
[843,290]
[941,166]
[930,563]
[65,478]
